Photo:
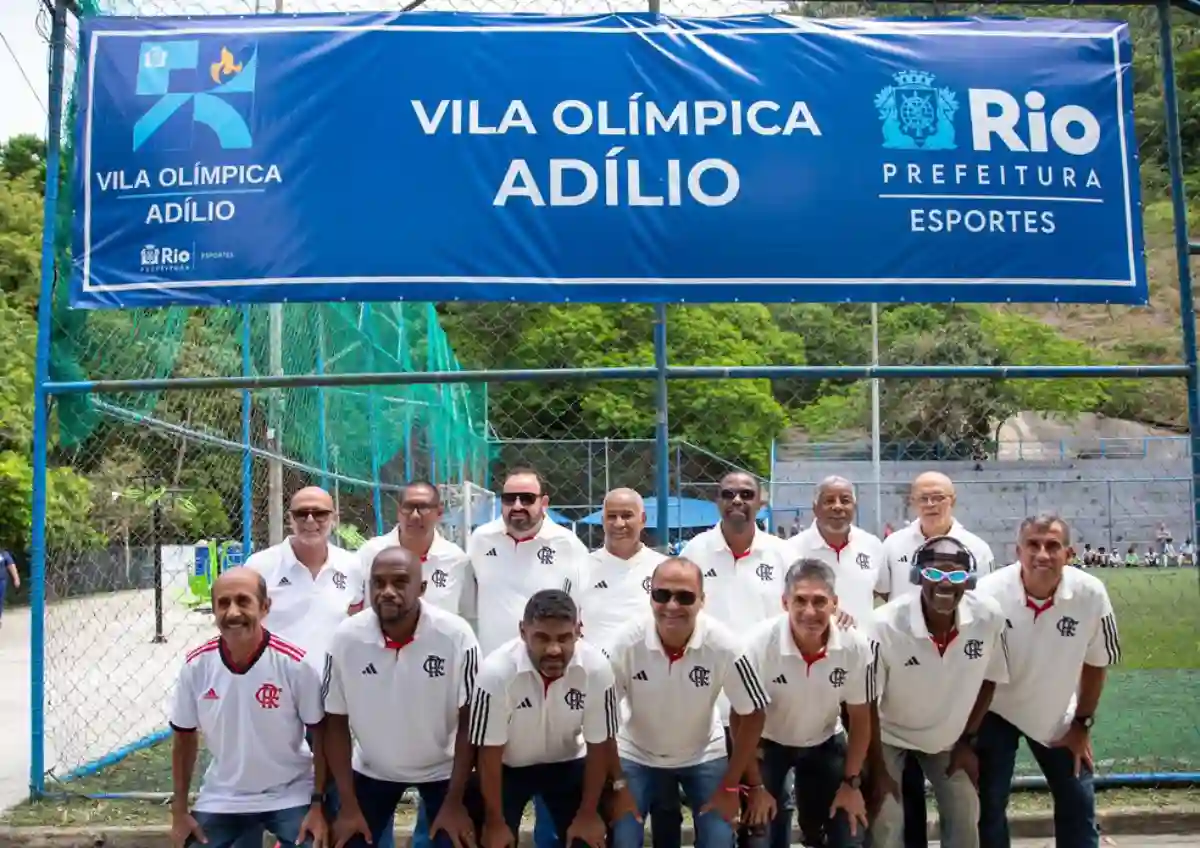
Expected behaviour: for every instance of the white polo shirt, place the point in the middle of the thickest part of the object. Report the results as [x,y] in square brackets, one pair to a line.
[402,700]
[444,568]
[616,592]
[926,695]
[509,572]
[806,692]
[539,720]
[858,566]
[306,610]
[252,721]
[899,548]
[671,718]
[1048,645]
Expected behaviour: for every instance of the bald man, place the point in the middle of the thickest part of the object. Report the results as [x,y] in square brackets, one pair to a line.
[247,684]
[932,498]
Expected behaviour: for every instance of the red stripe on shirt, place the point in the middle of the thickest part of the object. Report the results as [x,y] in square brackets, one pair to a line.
[210,645]
[285,648]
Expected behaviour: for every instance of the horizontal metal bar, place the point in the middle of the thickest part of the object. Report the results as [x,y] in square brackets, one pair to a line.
[676,372]
[1194,248]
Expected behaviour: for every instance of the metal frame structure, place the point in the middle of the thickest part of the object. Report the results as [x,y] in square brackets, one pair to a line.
[662,372]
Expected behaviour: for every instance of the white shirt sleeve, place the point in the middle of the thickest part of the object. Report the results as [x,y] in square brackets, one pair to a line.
[306,689]
[332,691]
[600,708]
[997,670]
[577,570]
[742,684]
[468,601]
[987,562]
[883,585]
[1104,649]
[877,682]
[184,715]
[469,668]
[618,659]
[858,680]
[490,710]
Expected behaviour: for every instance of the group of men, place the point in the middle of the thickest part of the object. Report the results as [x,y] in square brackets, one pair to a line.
[755,678]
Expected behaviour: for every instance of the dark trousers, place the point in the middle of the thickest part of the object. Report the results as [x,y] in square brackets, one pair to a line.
[558,785]
[378,799]
[912,793]
[819,771]
[1074,797]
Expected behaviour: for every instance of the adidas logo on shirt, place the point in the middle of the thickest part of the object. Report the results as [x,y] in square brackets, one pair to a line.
[211,695]
[601,585]
[641,675]
[781,679]
[370,669]
[492,552]
[285,582]
[911,662]
[525,705]
[712,572]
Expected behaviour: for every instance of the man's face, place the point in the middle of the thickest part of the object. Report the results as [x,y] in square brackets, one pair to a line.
[395,586]
[933,501]
[834,508]
[809,606]
[1043,553]
[238,608]
[676,599]
[739,499]
[551,644]
[522,504]
[624,519]
[419,510]
[311,516]
[940,592]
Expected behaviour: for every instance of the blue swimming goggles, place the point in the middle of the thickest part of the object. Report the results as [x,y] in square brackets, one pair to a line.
[936,575]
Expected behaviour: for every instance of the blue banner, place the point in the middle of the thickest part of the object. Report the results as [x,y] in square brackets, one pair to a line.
[432,156]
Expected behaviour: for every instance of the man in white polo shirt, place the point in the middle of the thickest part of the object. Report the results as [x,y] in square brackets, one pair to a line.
[932,497]
[670,669]
[811,668]
[247,684]
[855,555]
[399,676]
[940,653]
[1062,637]
[544,708]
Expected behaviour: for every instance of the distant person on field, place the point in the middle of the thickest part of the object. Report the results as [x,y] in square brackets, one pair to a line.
[8,572]
[1062,637]
[1187,553]
[1131,557]
[250,696]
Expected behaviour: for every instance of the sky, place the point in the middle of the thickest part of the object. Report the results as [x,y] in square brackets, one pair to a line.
[20,109]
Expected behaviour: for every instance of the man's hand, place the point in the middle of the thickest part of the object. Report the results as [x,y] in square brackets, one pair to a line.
[623,804]
[314,826]
[851,800]
[845,620]
[16,581]
[453,820]
[963,758]
[497,835]
[760,807]
[350,823]
[880,784]
[725,802]
[1079,742]
[183,827]
[588,828]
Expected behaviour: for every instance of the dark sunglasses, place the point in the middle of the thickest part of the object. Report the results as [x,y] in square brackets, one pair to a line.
[318,514]
[744,494]
[936,575]
[682,597]
[526,498]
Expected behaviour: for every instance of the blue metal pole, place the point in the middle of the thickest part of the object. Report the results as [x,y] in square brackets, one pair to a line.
[431,425]
[322,432]
[1182,250]
[662,446]
[373,430]
[41,417]
[247,453]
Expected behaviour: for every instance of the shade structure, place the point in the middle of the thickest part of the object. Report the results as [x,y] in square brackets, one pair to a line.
[682,513]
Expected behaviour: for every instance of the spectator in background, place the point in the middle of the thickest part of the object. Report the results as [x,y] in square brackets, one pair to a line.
[1187,553]
[8,573]
[1131,557]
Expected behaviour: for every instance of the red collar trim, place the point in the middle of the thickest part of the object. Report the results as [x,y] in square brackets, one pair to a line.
[519,541]
[942,646]
[258,652]
[675,655]
[813,659]
[1038,609]
[396,646]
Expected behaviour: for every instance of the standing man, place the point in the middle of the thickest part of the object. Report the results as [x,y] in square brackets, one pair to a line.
[670,669]
[812,667]
[247,685]
[399,676]
[743,565]
[544,711]
[1062,637]
[8,572]
[940,654]
[932,497]
[855,555]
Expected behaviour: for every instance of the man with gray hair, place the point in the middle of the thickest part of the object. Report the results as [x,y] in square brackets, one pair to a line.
[855,555]
[812,667]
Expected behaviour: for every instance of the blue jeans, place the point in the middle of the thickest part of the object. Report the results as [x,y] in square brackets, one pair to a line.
[378,799]
[225,830]
[819,771]
[912,795]
[544,835]
[1074,797]
[3,590]
[650,786]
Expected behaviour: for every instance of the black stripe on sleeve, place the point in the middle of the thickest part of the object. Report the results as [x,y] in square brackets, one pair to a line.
[610,711]
[1112,644]
[179,729]
[326,676]
[873,674]
[758,695]
[470,671]
[1004,643]
[481,708]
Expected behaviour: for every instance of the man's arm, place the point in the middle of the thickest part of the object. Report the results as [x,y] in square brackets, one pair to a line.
[600,721]
[748,699]
[488,729]
[185,742]
[337,732]
[310,708]
[464,749]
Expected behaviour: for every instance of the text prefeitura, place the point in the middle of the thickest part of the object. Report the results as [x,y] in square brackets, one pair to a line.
[618,179]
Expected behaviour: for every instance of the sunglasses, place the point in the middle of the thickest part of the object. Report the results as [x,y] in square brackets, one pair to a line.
[316,514]
[682,597]
[936,575]
[411,508]
[526,498]
[744,494]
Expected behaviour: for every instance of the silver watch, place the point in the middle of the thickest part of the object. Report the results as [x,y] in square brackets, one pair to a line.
[619,784]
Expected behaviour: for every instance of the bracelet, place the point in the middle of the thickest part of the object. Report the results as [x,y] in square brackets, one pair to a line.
[732,788]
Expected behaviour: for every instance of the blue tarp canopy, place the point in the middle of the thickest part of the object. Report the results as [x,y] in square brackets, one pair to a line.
[682,513]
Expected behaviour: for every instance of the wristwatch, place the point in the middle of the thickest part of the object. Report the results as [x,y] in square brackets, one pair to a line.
[969,739]
[619,784]
[854,781]
[1085,722]
[317,798]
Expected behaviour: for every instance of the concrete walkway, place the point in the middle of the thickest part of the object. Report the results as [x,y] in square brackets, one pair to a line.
[14,707]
